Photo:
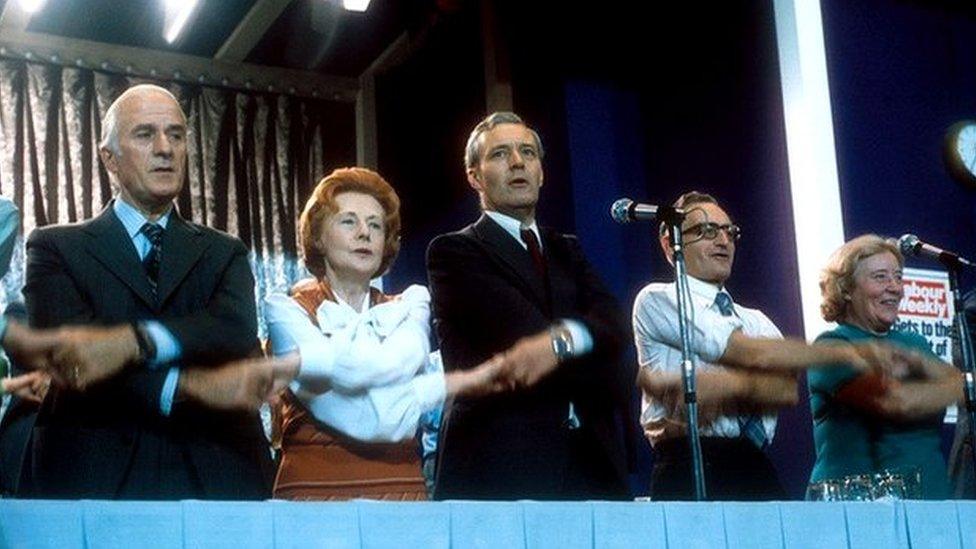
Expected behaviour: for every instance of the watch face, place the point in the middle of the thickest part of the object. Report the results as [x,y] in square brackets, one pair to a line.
[966,147]
[959,152]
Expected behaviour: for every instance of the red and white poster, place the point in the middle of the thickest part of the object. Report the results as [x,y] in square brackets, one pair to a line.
[927,309]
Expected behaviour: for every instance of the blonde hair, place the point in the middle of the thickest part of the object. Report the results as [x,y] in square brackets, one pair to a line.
[837,278]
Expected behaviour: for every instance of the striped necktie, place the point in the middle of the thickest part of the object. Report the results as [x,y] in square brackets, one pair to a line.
[750,426]
[150,263]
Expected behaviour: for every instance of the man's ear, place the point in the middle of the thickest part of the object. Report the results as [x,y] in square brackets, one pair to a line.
[109,159]
[665,241]
[474,179]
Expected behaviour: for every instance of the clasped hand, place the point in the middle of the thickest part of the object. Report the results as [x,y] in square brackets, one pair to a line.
[528,361]
[75,357]
[83,356]
[887,361]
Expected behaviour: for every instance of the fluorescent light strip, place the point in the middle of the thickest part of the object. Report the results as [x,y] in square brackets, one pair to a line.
[177,13]
[817,216]
[31,6]
[355,5]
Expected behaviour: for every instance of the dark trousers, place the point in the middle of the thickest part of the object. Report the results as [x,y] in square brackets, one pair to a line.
[735,470]
[160,470]
[589,474]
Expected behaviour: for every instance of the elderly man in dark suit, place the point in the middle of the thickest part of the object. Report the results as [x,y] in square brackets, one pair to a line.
[162,300]
[505,283]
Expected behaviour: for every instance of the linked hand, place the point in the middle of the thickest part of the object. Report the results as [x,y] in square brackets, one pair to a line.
[529,360]
[85,355]
[29,348]
[242,385]
[485,379]
[911,362]
[880,359]
[31,386]
[284,369]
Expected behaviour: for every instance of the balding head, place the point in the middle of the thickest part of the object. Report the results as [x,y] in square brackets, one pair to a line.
[144,148]
[110,124]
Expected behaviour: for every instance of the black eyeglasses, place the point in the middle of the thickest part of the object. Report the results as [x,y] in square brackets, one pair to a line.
[709,231]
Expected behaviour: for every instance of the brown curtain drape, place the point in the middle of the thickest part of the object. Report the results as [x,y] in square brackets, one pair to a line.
[253,158]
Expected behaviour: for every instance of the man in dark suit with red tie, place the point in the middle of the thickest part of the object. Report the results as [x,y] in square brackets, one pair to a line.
[162,301]
[506,283]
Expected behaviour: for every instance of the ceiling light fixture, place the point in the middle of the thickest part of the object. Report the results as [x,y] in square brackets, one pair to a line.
[31,6]
[177,14]
[355,5]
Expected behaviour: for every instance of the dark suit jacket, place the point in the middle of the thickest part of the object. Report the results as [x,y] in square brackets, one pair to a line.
[487,295]
[90,273]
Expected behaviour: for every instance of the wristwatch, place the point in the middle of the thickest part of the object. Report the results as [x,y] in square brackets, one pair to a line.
[147,349]
[562,341]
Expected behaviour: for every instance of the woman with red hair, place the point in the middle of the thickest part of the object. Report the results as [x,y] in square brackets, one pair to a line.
[358,359]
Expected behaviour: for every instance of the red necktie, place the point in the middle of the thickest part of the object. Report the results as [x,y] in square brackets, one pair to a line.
[532,242]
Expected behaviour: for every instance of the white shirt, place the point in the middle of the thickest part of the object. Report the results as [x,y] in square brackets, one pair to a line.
[659,348]
[514,227]
[363,374]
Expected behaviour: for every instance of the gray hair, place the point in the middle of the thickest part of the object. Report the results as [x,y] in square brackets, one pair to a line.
[688,199]
[472,151]
[110,123]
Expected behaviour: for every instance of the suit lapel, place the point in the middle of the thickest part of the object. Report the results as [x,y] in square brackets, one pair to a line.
[111,246]
[513,257]
[182,246]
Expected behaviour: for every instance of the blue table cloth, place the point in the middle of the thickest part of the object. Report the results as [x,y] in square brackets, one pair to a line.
[463,524]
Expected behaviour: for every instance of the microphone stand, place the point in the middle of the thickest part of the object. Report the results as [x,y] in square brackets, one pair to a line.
[966,349]
[673,219]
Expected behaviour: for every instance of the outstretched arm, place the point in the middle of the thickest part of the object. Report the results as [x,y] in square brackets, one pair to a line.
[931,387]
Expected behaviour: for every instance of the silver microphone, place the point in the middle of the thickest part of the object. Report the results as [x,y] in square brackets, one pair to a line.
[910,244]
[625,210]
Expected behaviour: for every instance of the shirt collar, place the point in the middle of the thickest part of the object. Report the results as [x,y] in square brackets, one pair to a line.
[132,219]
[513,226]
[705,291]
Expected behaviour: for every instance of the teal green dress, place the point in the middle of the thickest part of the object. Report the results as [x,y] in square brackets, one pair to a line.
[849,441]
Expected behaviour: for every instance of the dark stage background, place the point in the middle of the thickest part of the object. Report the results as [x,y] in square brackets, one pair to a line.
[649,104]
[640,99]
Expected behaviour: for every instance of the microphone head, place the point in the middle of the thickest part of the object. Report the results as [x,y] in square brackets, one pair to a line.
[620,210]
[908,244]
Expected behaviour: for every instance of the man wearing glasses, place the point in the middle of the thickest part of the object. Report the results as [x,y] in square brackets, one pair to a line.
[746,370]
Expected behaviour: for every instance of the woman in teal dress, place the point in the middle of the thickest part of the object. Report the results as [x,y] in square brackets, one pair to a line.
[866,423]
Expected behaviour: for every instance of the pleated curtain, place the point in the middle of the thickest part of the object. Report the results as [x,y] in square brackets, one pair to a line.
[253,158]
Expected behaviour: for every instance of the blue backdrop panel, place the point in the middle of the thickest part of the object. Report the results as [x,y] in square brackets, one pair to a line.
[900,74]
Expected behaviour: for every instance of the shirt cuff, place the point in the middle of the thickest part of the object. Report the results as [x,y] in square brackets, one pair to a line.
[582,339]
[289,330]
[168,348]
[430,391]
[169,391]
[317,360]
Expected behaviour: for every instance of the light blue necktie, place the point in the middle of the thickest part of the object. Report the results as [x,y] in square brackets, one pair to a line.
[750,426]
